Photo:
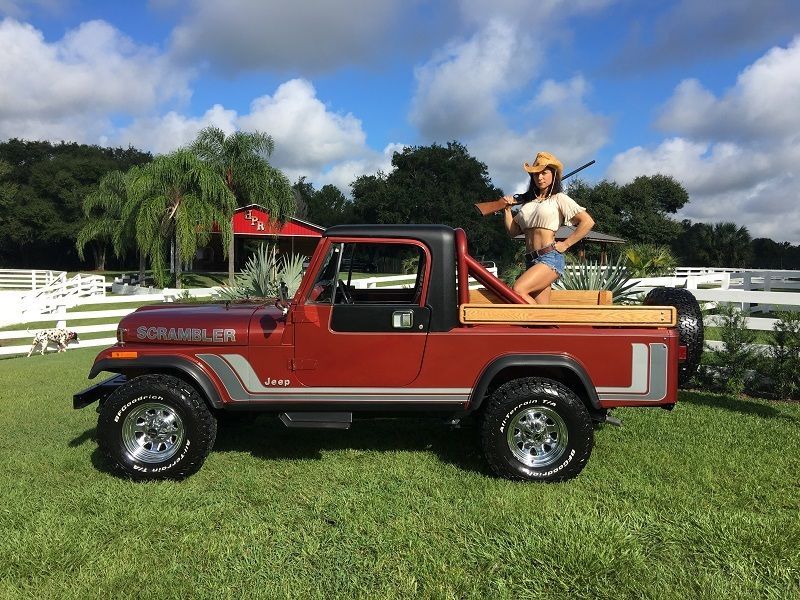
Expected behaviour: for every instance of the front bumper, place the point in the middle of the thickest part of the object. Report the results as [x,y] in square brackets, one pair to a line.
[99,391]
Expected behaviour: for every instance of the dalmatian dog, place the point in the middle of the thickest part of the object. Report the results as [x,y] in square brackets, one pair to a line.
[59,337]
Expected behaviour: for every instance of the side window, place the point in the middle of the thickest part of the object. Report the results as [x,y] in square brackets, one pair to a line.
[380,273]
[325,285]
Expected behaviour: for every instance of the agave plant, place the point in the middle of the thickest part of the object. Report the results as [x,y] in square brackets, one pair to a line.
[591,276]
[263,273]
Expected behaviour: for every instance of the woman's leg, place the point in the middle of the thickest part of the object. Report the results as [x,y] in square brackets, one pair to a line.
[534,284]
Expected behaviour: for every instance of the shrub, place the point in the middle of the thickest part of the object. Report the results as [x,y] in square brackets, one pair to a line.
[649,260]
[732,365]
[591,276]
[783,364]
[262,274]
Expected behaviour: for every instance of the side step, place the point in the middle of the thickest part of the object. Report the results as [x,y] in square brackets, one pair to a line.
[317,420]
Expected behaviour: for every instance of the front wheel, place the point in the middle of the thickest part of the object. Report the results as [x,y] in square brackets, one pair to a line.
[536,429]
[156,427]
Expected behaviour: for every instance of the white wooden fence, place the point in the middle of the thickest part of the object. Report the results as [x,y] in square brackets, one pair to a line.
[25,279]
[62,318]
[752,290]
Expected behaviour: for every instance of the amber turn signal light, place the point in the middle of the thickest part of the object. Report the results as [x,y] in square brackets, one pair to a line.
[124,354]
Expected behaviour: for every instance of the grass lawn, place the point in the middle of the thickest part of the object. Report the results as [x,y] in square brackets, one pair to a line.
[702,502]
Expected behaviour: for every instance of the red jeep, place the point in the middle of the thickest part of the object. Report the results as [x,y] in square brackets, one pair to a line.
[538,378]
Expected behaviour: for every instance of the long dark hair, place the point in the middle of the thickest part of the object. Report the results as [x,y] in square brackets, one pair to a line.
[555,188]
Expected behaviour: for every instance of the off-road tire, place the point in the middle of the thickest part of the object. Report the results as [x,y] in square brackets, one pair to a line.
[508,433]
[690,325]
[156,427]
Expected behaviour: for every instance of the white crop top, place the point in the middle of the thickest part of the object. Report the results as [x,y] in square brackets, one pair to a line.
[548,214]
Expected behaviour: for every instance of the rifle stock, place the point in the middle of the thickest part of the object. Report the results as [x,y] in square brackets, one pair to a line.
[487,208]
[492,206]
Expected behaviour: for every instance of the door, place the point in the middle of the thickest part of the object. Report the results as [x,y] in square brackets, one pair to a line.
[364,323]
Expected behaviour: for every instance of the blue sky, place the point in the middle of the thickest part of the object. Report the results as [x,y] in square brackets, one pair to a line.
[706,92]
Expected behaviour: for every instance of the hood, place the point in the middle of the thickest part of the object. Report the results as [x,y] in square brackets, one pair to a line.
[188,324]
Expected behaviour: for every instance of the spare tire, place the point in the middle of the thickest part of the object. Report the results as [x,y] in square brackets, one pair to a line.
[690,325]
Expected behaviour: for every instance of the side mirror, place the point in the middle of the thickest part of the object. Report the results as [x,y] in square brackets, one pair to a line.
[282,301]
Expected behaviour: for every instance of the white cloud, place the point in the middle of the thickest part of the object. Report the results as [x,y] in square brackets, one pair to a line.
[757,107]
[567,128]
[526,13]
[684,32]
[238,35]
[553,94]
[168,132]
[306,133]
[459,89]
[736,155]
[68,89]
[21,8]
[310,140]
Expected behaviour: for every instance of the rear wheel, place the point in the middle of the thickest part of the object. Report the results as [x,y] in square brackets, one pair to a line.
[156,427]
[690,325]
[536,429]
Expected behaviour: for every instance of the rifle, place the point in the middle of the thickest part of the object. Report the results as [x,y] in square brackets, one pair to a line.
[492,206]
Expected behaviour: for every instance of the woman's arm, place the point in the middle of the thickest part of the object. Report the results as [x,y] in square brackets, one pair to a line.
[585,223]
[512,227]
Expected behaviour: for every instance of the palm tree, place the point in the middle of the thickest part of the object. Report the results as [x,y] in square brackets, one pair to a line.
[107,209]
[239,159]
[102,208]
[731,245]
[182,198]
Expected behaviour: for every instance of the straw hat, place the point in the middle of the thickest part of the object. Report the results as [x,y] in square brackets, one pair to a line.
[544,160]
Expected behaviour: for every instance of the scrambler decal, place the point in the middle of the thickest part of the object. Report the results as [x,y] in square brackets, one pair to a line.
[648,376]
[242,384]
[186,334]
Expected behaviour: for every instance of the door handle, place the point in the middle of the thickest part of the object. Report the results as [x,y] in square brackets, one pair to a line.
[403,319]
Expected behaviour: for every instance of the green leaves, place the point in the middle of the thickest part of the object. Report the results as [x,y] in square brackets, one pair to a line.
[182,197]
[263,273]
[590,275]
[649,260]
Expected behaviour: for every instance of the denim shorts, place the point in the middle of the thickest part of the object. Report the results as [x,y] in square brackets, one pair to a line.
[553,259]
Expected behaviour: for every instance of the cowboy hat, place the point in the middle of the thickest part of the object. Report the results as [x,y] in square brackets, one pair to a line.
[544,160]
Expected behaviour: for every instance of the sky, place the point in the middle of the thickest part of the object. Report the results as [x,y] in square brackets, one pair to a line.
[706,92]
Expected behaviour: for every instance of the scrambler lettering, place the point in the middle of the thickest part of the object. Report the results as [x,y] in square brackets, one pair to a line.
[186,334]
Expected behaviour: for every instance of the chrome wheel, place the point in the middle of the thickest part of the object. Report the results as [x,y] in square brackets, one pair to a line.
[152,432]
[537,437]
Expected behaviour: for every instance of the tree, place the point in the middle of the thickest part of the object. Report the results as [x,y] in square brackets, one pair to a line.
[638,211]
[238,159]
[327,206]
[110,212]
[434,184]
[717,245]
[41,219]
[730,245]
[182,198]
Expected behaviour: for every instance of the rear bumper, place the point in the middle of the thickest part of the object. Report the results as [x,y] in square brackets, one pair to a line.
[99,391]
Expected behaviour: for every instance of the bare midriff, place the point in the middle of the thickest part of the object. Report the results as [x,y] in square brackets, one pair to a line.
[537,238]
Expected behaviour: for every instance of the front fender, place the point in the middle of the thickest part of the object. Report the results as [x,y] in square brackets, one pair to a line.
[190,371]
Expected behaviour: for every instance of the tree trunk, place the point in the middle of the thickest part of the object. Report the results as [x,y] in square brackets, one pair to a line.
[142,265]
[230,261]
[99,252]
[177,263]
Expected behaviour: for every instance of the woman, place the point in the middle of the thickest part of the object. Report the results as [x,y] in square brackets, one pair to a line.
[546,208]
